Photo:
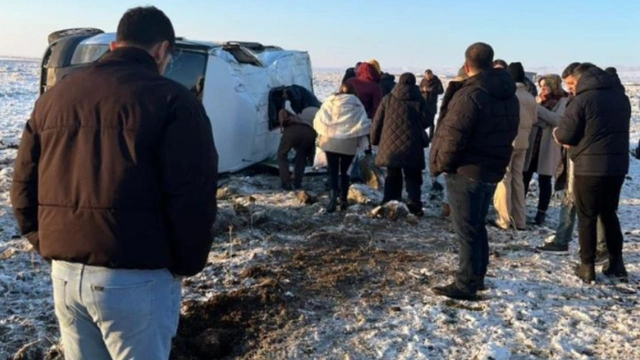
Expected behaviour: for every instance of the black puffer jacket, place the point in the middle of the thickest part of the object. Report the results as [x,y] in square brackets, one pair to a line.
[596,126]
[399,128]
[475,136]
[387,82]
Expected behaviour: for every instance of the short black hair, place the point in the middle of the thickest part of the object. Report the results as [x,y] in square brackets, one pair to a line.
[479,56]
[428,71]
[581,69]
[500,62]
[569,69]
[145,27]
[611,70]
[516,70]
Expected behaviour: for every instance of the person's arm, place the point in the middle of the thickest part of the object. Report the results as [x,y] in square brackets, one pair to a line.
[551,117]
[378,123]
[189,179]
[24,186]
[571,129]
[454,132]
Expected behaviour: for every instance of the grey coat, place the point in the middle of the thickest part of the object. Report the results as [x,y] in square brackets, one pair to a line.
[550,151]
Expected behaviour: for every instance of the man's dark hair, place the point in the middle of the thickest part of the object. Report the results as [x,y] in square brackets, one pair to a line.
[145,27]
[611,70]
[581,69]
[428,71]
[501,63]
[516,70]
[569,69]
[479,56]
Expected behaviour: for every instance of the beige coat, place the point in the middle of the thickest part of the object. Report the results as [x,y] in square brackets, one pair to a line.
[550,151]
[528,116]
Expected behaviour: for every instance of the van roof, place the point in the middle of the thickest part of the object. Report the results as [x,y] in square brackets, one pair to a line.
[107,38]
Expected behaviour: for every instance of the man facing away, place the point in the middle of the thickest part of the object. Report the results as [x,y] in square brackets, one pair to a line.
[115,182]
[473,145]
[595,126]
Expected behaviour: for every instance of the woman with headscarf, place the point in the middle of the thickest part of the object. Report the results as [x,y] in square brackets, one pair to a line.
[544,154]
[342,125]
[399,132]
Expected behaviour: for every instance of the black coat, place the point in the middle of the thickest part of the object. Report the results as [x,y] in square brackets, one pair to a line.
[475,136]
[596,126]
[387,82]
[433,89]
[117,167]
[399,128]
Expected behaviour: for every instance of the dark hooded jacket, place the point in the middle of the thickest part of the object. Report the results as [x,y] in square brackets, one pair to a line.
[596,126]
[301,98]
[367,87]
[475,136]
[348,74]
[399,126]
[117,168]
[434,88]
[387,82]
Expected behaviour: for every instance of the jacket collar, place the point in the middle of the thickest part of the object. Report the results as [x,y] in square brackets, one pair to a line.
[131,55]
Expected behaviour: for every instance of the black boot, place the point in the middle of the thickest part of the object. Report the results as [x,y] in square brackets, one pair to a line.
[454,292]
[333,201]
[540,218]
[615,268]
[586,272]
[344,202]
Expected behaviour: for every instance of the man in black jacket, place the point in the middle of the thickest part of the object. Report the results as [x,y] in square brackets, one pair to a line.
[431,87]
[115,182]
[595,128]
[473,145]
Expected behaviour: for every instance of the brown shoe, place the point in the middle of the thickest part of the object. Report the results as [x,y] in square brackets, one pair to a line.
[446,210]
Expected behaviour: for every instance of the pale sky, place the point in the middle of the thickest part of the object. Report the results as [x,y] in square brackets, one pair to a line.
[338,33]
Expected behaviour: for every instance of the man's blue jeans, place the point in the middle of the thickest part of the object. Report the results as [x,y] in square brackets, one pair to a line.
[469,200]
[115,314]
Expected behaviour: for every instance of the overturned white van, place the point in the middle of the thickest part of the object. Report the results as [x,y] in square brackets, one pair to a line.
[240,85]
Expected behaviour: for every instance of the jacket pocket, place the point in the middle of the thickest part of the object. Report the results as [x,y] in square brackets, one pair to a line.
[124,311]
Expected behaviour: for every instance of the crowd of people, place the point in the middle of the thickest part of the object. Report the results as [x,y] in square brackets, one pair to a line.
[116,174]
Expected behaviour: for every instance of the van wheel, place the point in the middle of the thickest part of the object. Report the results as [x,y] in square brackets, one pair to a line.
[56,35]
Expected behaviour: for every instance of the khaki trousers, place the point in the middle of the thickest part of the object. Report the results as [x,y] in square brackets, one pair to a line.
[509,199]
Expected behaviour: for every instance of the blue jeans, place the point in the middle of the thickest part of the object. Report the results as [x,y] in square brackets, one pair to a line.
[564,231]
[469,200]
[117,314]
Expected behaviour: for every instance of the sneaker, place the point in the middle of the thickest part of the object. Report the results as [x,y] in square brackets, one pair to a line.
[452,291]
[553,248]
[586,273]
[415,210]
[602,257]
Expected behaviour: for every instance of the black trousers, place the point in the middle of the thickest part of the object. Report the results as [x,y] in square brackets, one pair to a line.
[338,165]
[598,196]
[413,182]
[302,139]
[544,183]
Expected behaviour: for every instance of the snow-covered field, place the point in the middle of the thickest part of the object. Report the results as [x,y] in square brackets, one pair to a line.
[287,280]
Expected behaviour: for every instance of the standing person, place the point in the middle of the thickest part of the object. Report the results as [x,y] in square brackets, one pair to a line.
[387,83]
[342,125]
[565,180]
[367,88]
[399,132]
[509,199]
[431,87]
[296,121]
[115,182]
[596,129]
[543,155]
[473,147]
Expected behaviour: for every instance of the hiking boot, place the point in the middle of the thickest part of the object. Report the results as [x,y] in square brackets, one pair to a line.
[333,202]
[553,248]
[615,268]
[452,291]
[540,218]
[446,210]
[586,272]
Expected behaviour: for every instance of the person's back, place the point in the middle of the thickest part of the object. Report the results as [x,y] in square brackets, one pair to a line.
[367,87]
[115,182]
[482,119]
[528,116]
[603,149]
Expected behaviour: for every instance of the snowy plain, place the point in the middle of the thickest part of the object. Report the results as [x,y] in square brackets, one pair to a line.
[304,284]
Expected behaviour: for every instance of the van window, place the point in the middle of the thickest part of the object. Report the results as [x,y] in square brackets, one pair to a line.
[88,53]
[188,68]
